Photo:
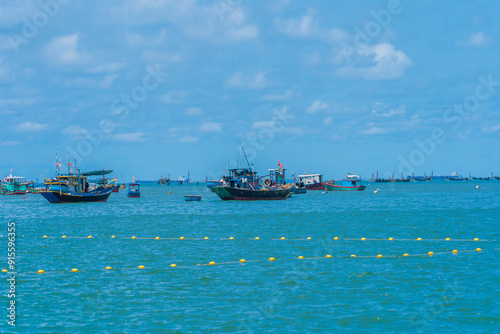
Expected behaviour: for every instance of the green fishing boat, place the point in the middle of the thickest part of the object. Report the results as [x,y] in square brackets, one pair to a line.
[14,185]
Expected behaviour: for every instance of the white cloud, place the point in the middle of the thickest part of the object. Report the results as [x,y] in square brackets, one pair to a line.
[278,97]
[328,120]
[74,130]
[381,109]
[245,32]
[193,111]
[263,124]
[63,50]
[30,127]
[188,139]
[132,137]
[258,81]
[211,127]
[374,131]
[477,40]
[9,143]
[307,27]
[174,97]
[315,106]
[387,63]
[494,128]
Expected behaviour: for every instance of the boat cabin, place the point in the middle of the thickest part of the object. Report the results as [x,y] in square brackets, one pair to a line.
[310,179]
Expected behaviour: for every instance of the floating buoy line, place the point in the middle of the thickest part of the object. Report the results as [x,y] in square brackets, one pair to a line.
[259,238]
[245,262]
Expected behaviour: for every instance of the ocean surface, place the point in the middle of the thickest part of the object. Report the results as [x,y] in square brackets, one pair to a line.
[446,292]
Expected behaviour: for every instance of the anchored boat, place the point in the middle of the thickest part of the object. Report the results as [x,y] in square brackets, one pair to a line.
[134,190]
[14,185]
[350,183]
[312,181]
[243,184]
[74,188]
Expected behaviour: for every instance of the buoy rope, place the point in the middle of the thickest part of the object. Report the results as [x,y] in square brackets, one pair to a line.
[242,261]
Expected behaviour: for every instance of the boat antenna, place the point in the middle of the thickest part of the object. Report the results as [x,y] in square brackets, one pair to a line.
[245,155]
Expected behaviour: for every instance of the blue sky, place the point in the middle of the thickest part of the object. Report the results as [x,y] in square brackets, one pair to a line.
[151,88]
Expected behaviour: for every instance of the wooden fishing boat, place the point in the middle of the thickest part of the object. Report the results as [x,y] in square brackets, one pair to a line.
[134,190]
[14,185]
[74,188]
[351,183]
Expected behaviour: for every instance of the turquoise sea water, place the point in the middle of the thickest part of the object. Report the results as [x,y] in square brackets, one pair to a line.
[439,293]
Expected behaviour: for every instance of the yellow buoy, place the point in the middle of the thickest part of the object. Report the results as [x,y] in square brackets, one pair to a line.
[212,263]
[41,271]
[391,238]
[300,257]
[430,253]
[231,238]
[336,238]
[206,238]
[64,236]
[419,239]
[380,256]
[157,238]
[454,251]
[476,239]
[363,239]
[478,249]
[447,239]
[141,267]
[74,270]
[90,237]
[182,238]
[308,238]
[45,236]
[173,265]
[257,238]
[272,259]
[283,238]
[170,193]
[108,268]
[133,237]
[353,255]
[328,256]
[5,270]
[242,260]
[406,254]
[113,236]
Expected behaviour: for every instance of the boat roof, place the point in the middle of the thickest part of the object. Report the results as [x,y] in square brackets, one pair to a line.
[276,169]
[10,177]
[310,175]
[97,172]
[353,176]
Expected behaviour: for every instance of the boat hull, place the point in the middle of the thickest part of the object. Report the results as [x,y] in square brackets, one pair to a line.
[333,187]
[316,186]
[60,197]
[244,194]
[134,194]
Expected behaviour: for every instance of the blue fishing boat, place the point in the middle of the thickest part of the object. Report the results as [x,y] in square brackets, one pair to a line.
[299,188]
[192,198]
[351,183]
[74,188]
[134,190]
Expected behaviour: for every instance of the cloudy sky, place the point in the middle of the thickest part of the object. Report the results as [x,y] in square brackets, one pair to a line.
[156,87]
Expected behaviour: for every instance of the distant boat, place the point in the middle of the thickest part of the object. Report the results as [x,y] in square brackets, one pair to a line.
[350,183]
[312,181]
[134,190]
[74,188]
[164,180]
[14,185]
[192,198]
[299,188]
